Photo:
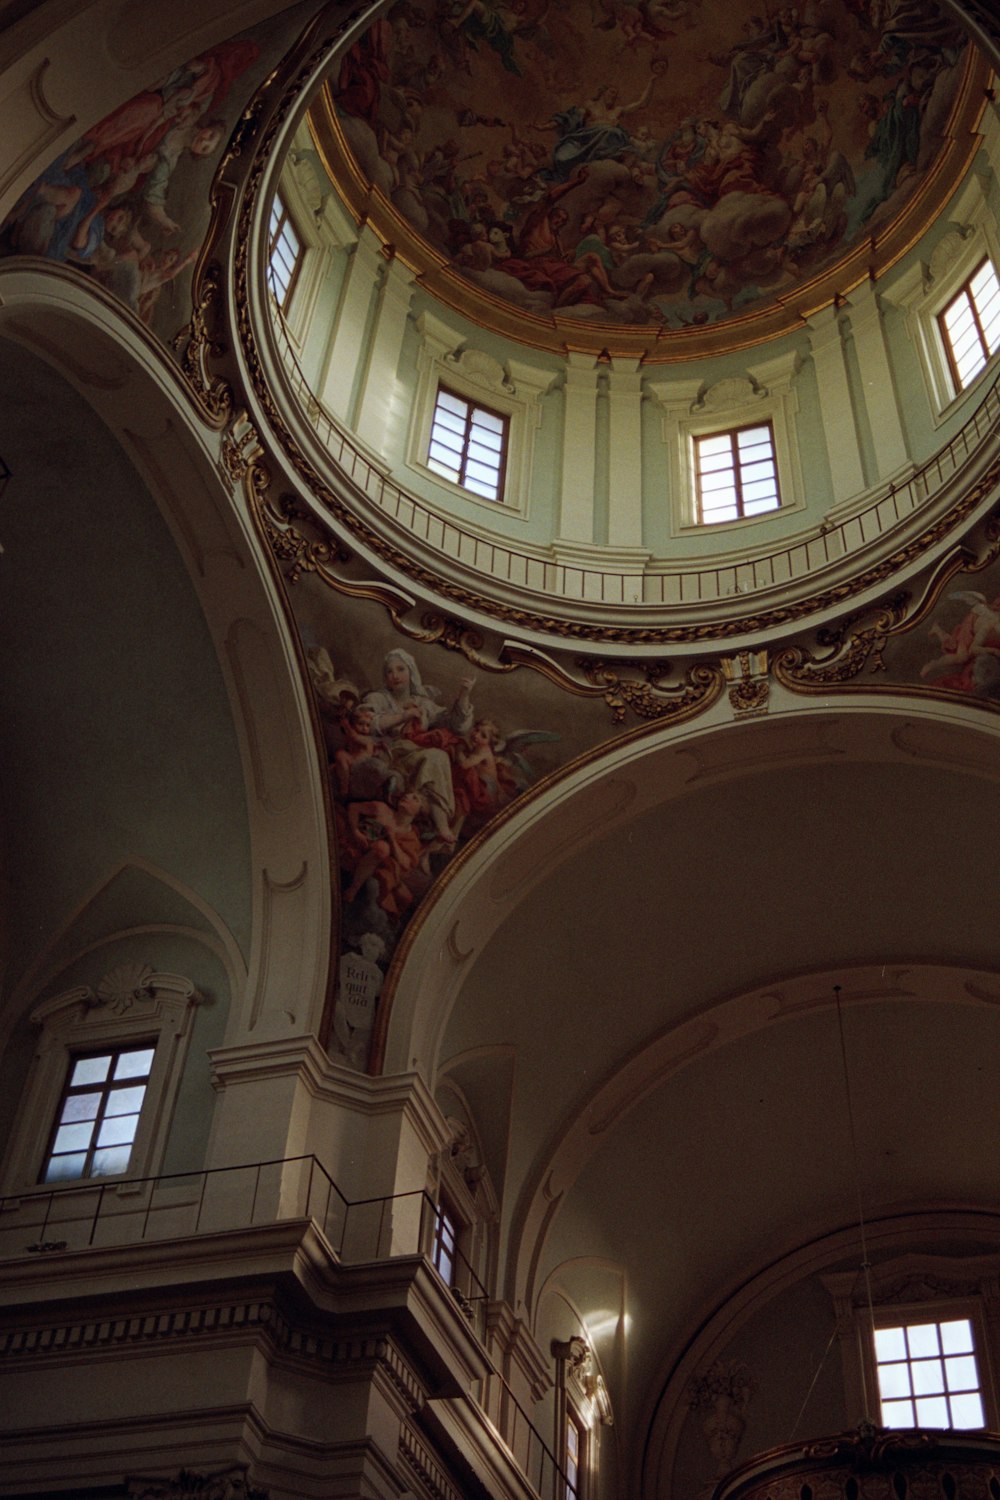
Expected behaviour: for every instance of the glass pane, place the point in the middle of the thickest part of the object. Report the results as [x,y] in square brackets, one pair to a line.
[126,1101]
[889,1344]
[107,1163]
[90,1070]
[135,1064]
[932,1411]
[80,1107]
[897,1413]
[956,1336]
[73,1137]
[449,421]
[487,419]
[65,1168]
[717,463]
[922,1339]
[751,435]
[447,402]
[485,474]
[961,1373]
[480,487]
[893,1381]
[117,1130]
[444,456]
[967,1411]
[708,446]
[928,1377]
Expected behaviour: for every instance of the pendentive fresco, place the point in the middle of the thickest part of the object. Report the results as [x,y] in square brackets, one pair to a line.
[671,162]
[128,202]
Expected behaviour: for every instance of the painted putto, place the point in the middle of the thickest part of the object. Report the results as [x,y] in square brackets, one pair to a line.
[667,162]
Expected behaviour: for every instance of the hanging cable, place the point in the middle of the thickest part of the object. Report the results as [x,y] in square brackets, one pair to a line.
[856,1164]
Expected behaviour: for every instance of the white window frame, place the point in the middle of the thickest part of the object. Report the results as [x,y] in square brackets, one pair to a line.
[514,390]
[581,1402]
[936,1313]
[925,291]
[286,219]
[914,1289]
[320,240]
[764,393]
[131,1004]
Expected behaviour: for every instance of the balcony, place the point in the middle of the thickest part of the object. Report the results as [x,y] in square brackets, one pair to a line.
[366,1263]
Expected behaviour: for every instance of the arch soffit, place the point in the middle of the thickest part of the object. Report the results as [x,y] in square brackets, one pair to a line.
[610,790]
[137,391]
[895,1234]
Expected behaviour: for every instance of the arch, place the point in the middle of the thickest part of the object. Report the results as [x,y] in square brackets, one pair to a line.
[137,392]
[614,787]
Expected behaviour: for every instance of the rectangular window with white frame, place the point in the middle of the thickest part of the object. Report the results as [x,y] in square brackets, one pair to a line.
[736,473]
[928,1374]
[98,1115]
[970,325]
[285,252]
[468,444]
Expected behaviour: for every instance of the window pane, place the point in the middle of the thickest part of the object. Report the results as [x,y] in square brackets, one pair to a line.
[449,421]
[107,1163]
[481,487]
[961,1373]
[897,1413]
[932,1411]
[73,1137]
[135,1064]
[490,420]
[928,1377]
[708,446]
[125,1101]
[90,1070]
[956,1337]
[967,1411]
[65,1168]
[117,1130]
[447,402]
[894,1381]
[922,1339]
[890,1343]
[80,1107]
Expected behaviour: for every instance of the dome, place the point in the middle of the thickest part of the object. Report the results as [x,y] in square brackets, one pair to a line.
[668,168]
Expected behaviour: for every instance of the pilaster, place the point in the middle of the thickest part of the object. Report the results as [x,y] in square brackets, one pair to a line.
[843,449]
[384,347]
[891,452]
[625,401]
[576,500]
[347,344]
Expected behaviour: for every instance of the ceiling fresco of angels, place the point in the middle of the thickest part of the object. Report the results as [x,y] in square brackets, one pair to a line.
[669,162]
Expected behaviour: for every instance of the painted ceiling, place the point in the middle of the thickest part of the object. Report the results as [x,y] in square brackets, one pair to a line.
[670,163]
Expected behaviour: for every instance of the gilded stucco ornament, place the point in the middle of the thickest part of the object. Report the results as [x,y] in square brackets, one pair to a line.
[652,698]
[749,688]
[720,1397]
[195,345]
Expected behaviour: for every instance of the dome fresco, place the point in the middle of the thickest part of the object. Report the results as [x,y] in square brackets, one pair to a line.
[672,163]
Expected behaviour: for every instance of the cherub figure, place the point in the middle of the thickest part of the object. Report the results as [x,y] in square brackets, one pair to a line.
[489,771]
[382,841]
[360,744]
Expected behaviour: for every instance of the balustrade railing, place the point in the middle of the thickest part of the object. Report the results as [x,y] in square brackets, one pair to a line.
[656,587]
[85,1215]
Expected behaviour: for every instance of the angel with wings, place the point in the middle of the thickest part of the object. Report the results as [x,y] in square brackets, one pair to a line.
[489,770]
